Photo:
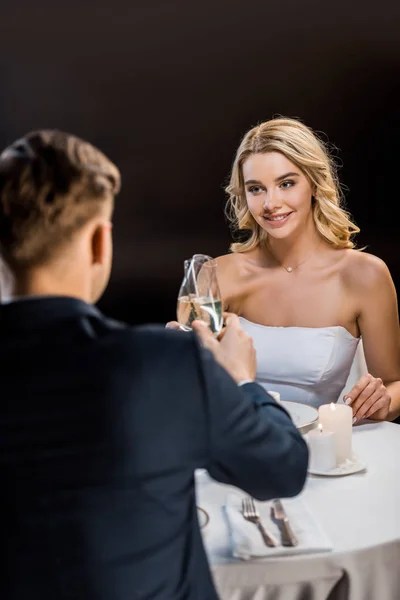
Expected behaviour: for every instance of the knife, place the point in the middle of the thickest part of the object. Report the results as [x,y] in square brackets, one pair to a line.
[279,515]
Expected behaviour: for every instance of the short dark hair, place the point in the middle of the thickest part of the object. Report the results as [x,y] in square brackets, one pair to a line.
[51,184]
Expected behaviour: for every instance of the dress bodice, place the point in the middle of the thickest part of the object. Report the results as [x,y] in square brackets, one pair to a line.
[303,364]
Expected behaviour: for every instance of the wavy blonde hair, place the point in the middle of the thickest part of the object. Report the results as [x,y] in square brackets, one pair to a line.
[299,144]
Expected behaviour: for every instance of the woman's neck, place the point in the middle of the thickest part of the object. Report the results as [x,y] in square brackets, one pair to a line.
[293,250]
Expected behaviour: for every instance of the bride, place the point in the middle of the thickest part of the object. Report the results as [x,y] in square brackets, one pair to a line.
[302,291]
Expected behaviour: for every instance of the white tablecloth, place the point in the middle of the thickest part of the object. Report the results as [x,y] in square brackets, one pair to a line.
[361,515]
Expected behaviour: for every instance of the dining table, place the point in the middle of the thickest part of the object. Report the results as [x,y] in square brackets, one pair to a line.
[359,513]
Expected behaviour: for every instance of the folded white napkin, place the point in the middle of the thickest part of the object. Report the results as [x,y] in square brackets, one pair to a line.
[246,538]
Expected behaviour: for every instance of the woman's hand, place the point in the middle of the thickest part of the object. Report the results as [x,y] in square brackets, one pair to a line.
[369,398]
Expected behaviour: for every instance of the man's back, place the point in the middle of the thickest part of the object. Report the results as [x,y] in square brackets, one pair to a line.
[101,429]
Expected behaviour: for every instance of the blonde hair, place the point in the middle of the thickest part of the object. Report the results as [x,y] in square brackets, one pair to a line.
[299,144]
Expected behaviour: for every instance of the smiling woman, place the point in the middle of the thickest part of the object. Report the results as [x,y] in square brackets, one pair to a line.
[291,144]
[302,290]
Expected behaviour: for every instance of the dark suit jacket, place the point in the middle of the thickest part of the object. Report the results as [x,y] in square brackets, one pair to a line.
[101,428]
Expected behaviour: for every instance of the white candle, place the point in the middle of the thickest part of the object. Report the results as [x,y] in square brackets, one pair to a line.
[338,419]
[321,445]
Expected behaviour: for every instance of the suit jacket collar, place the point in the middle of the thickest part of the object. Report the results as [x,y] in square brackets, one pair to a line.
[36,312]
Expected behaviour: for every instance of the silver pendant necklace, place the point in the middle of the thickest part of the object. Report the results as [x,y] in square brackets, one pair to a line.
[291,269]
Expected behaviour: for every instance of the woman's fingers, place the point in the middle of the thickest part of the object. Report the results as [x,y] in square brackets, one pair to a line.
[367,397]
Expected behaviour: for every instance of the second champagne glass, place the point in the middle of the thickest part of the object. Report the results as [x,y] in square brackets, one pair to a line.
[199,297]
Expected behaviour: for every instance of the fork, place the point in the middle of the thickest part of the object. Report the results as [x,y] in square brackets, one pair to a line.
[250,513]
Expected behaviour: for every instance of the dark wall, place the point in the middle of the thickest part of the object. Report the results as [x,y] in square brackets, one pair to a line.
[167,89]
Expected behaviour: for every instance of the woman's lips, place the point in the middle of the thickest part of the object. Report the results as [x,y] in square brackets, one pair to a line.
[277,220]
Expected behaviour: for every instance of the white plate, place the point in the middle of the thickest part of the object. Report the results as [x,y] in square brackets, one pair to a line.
[304,417]
[353,465]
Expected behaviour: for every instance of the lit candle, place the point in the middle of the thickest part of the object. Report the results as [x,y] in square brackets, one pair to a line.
[321,445]
[338,419]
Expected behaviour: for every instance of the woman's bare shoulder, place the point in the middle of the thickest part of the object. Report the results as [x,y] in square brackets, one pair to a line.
[232,270]
[238,265]
[229,262]
[364,270]
[239,259]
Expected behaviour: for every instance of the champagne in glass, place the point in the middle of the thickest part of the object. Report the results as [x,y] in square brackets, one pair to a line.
[191,308]
[199,296]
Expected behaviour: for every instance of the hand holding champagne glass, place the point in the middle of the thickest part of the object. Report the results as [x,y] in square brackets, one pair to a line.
[199,297]
[234,352]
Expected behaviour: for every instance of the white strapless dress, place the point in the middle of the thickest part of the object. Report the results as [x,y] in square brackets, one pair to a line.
[304,364]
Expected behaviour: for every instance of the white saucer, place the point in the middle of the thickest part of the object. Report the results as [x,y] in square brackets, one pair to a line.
[304,417]
[353,465]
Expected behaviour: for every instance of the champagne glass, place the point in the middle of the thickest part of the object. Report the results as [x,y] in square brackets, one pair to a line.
[199,296]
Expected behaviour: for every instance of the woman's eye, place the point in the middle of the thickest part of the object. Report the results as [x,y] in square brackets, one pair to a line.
[254,189]
[286,184]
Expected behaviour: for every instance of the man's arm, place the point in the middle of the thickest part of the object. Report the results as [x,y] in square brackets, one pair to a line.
[253,443]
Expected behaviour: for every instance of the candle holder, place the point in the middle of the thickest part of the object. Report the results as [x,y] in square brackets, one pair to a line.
[330,445]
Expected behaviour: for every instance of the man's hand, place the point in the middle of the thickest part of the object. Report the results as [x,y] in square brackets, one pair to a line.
[173,325]
[233,350]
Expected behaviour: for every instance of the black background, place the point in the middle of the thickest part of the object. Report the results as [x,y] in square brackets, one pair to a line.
[167,89]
